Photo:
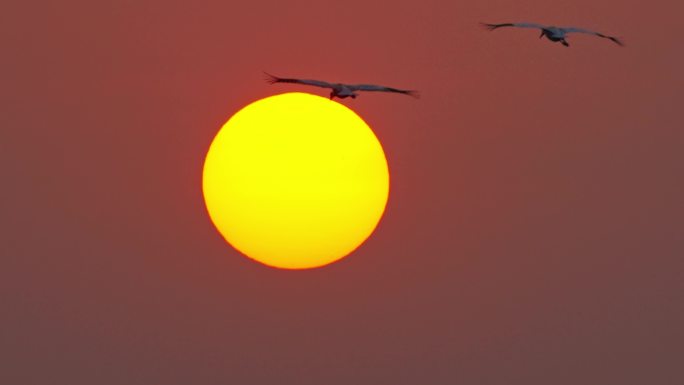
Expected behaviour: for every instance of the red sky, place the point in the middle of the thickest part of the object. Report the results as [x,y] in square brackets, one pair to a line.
[533,233]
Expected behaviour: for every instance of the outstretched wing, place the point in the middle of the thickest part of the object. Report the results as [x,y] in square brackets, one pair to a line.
[373,87]
[274,79]
[580,30]
[492,27]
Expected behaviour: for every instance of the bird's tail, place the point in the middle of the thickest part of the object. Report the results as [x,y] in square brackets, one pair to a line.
[270,79]
[413,93]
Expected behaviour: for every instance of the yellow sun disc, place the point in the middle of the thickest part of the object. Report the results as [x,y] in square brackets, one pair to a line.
[295,181]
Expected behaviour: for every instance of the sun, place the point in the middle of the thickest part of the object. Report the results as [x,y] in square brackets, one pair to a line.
[295,181]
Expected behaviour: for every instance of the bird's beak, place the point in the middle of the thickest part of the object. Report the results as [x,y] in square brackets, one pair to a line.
[541,35]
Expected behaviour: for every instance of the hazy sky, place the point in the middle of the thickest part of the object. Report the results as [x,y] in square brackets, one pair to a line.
[533,233]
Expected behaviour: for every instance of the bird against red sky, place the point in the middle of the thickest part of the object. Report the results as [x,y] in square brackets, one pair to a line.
[555,34]
[340,90]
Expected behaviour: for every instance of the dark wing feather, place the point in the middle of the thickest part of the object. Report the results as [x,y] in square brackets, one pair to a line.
[612,38]
[492,27]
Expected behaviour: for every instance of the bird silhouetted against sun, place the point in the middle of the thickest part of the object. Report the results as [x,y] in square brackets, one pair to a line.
[340,90]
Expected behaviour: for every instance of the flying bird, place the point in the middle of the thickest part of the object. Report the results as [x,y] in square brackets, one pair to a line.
[340,90]
[555,34]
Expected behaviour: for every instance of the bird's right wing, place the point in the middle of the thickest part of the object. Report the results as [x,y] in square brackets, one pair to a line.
[492,27]
[317,83]
[582,30]
[373,87]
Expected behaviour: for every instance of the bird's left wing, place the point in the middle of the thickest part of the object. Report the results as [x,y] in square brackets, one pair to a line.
[492,27]
[318,83]
[580,30]
[373,87]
